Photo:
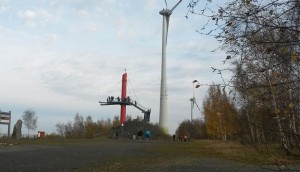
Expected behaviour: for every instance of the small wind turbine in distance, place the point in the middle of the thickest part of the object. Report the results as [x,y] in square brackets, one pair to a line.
[196,84]
[163,111]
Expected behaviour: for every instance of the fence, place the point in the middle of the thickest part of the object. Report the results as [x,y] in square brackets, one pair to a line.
[24,136]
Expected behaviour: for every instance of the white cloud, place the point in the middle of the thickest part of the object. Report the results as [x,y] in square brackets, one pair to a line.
[36,17]
[50,38]
[124,28]
[83,14]
[150,5]
[3,5]
[27,15]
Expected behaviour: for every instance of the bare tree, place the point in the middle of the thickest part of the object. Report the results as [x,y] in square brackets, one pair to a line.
[68,129]
[60,127]
[78,126]
[30,120]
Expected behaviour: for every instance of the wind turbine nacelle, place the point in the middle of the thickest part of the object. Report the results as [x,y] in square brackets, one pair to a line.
[166,12]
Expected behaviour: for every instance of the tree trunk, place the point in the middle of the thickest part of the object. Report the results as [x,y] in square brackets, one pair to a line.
[277,118]
[250,126]
[257,134]
[292,123]
[263,139]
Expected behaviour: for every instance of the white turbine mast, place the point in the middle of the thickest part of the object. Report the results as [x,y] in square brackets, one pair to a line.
[163,111]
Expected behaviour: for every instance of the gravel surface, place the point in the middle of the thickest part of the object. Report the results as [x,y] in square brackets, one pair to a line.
[108,155]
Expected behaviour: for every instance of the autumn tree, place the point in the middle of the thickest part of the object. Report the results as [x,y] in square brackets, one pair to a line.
[90,127]
[211,109]
[220,114]
[229,117]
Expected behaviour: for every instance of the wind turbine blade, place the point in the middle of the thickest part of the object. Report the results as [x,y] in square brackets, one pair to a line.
[166,3]
[175,6]
[197,105]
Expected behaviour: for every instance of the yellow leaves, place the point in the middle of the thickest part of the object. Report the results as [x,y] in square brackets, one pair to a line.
[291,105]
[286,112]
[294,57]
[273,82]
[286,50]
[276,111]
[220,113]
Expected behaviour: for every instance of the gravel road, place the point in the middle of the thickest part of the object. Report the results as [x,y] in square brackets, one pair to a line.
[107,155]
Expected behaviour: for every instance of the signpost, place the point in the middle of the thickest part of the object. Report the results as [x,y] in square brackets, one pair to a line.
[5,118]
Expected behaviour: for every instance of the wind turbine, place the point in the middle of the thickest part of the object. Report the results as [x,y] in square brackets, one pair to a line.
[163,111]
[193,99]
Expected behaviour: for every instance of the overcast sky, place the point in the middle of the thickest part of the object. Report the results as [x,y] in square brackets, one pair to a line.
[61,57]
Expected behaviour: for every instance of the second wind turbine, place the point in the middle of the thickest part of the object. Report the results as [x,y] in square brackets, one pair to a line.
[163,111]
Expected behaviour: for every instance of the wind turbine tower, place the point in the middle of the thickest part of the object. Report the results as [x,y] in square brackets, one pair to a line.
[163,111]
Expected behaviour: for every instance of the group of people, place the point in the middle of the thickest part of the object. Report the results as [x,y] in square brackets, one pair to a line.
[140,135]
[118,99]
[147,134]
[181,138]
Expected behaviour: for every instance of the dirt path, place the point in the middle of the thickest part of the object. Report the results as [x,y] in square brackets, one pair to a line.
[109,155]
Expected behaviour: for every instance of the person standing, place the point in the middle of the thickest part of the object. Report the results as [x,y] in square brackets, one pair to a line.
[140,134]
[147,135]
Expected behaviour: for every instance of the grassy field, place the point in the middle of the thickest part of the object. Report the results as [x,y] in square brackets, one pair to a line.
[184,153]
